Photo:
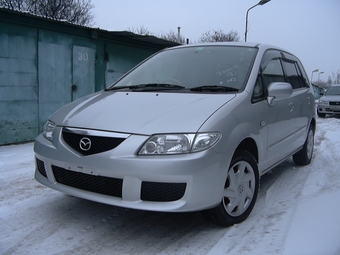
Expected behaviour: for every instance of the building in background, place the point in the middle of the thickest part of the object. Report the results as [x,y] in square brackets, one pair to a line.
[45,64]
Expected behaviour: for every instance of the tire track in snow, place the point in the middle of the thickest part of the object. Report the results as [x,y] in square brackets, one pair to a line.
[324,175]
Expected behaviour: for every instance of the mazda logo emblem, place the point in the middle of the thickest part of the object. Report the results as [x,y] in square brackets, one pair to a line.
[85,144]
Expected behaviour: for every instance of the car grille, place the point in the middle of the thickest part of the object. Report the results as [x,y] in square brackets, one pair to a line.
[162,192]
[334,103]
[98,184]
[98,144]
[41,167]
[150,191]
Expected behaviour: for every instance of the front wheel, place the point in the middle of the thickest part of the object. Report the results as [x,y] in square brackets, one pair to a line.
[304,156]
[240,191]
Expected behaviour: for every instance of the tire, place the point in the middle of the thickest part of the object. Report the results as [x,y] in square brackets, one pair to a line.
[304,156]
[320,114]
[240,191]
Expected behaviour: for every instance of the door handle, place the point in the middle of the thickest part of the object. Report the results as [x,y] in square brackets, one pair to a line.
[291,106]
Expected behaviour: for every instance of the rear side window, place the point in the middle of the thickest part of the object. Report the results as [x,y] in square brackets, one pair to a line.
[302,75]
[293,74]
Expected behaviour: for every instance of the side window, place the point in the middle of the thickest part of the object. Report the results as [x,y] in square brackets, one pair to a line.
[295,74]
[292,74]
[271,69]
[259,91]
[303,75]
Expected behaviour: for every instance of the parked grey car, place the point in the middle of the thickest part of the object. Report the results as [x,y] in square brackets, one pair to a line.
[329,103]
[192,128]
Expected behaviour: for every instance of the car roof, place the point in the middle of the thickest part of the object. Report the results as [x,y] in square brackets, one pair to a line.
[261,46]
[245,44]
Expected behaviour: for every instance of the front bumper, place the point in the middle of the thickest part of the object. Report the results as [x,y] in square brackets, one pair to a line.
[329,109]
[171,183]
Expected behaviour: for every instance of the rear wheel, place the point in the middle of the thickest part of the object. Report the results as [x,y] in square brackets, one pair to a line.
[304,156]
[240,191]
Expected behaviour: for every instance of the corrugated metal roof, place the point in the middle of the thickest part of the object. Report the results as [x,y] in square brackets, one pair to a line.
[42,22]
[142,38]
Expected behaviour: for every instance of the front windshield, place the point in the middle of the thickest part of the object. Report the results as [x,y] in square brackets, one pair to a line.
[191,67]
[333,90]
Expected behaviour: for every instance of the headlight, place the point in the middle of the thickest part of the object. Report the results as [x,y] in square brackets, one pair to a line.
[178,143]
[48,129]
[323,102]
[205,141]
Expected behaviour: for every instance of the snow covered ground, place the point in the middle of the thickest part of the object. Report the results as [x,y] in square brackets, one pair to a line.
[297,212]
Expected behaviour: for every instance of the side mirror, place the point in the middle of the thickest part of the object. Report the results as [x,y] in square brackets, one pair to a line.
[277,90]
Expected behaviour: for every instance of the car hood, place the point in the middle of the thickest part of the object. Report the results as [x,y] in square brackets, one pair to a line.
[141,112]
[335,98]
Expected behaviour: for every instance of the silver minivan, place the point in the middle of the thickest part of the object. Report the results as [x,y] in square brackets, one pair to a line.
[192,128]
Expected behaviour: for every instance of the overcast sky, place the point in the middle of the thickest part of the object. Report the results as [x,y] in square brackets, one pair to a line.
[310,29]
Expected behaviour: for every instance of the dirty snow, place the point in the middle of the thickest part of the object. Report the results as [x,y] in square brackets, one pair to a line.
[297,213]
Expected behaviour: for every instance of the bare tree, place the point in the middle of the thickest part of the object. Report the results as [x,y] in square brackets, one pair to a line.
[170,36]
[209,36]
[74,11]
[13,4]
[140,31]
[329,81]
[219,36]
[323,84]
[173,37]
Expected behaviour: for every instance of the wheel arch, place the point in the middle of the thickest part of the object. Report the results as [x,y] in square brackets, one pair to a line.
[249,145]
[313,124]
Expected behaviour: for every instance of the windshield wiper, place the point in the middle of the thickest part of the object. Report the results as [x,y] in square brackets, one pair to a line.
[117,88]
[156,86]
[214,88]
[148,87]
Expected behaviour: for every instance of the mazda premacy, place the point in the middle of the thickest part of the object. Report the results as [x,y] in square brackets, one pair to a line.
[192,128]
